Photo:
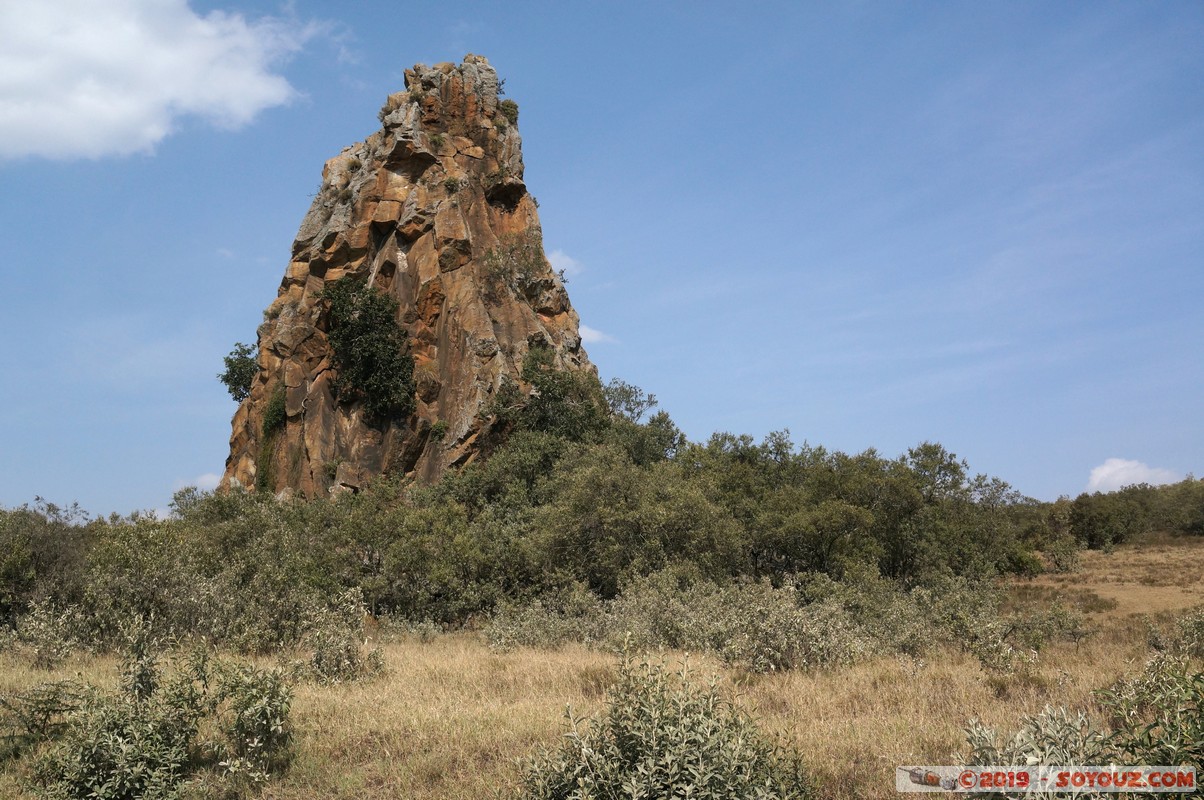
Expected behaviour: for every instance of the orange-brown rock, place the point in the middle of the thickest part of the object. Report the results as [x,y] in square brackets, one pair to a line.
[432,209]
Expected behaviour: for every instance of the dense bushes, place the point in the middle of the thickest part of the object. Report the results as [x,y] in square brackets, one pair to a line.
[585,487]
[1100,520]
[599,499]
[663,737]
[809,622]
[221,726]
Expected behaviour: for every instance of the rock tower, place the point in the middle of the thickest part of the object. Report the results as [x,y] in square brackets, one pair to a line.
[432,210]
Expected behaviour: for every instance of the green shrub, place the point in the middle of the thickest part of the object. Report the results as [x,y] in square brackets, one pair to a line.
[38,715]
[241,368]
[274,413]
[1155,717]
[370,351]
[663,737]
[752,626]
[572,614]
[116,749]
[438,430]
[1054,736]
[254,718]
[517,262]
[1188,638]
[48,633]
[509,110]
[1158,716]
[1063,553]
[147,740]
[335,636]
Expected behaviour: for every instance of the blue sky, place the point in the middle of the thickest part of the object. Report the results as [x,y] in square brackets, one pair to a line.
[871,223]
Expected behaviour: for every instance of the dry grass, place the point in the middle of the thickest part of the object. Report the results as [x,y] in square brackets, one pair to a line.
[451,718]
[448,720]
[1156,575]
[856,725]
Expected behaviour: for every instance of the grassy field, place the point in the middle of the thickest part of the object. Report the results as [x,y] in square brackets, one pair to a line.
[451,718]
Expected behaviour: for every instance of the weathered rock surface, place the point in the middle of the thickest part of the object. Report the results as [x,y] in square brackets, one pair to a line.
[432,209]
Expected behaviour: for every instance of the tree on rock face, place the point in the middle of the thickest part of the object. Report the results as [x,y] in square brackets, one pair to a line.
[370,351]
[241,366]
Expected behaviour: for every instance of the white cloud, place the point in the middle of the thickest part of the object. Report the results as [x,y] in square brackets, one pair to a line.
[85,79]
[593,335]
[561,260]
[1116,473]
[206,482]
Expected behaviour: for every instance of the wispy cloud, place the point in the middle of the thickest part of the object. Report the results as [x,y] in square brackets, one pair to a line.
[561,260]
[1116,473]
[206,482]
[81,79]
[593,335]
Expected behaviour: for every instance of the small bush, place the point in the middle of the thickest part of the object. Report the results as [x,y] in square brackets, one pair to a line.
[336,639]
[753,626]
[1188,637]
[117,749]
[39,715]
[569,615]
[439,430]
[255,721]
[1063,554]
[509,110]
[241,369]
[274,413]
[1156,717]
[148,739]
[48,633]
[437,141]
[1054,736]
[392,103]
[663,737]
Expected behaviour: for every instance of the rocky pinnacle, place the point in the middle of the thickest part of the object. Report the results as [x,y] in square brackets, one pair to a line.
[431,209]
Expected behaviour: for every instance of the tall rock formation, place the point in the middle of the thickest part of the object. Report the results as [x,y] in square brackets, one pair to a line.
[431,209]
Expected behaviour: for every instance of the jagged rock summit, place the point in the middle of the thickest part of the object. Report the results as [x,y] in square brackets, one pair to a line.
[432,210]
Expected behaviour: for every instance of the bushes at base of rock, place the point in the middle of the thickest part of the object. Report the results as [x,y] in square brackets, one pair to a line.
[811,622]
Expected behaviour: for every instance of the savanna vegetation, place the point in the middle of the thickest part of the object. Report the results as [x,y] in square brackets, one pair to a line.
[225,651]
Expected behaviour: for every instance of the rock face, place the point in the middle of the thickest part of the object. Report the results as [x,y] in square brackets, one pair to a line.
[431,209]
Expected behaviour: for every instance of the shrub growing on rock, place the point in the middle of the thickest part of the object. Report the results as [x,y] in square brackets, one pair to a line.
[370,350]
